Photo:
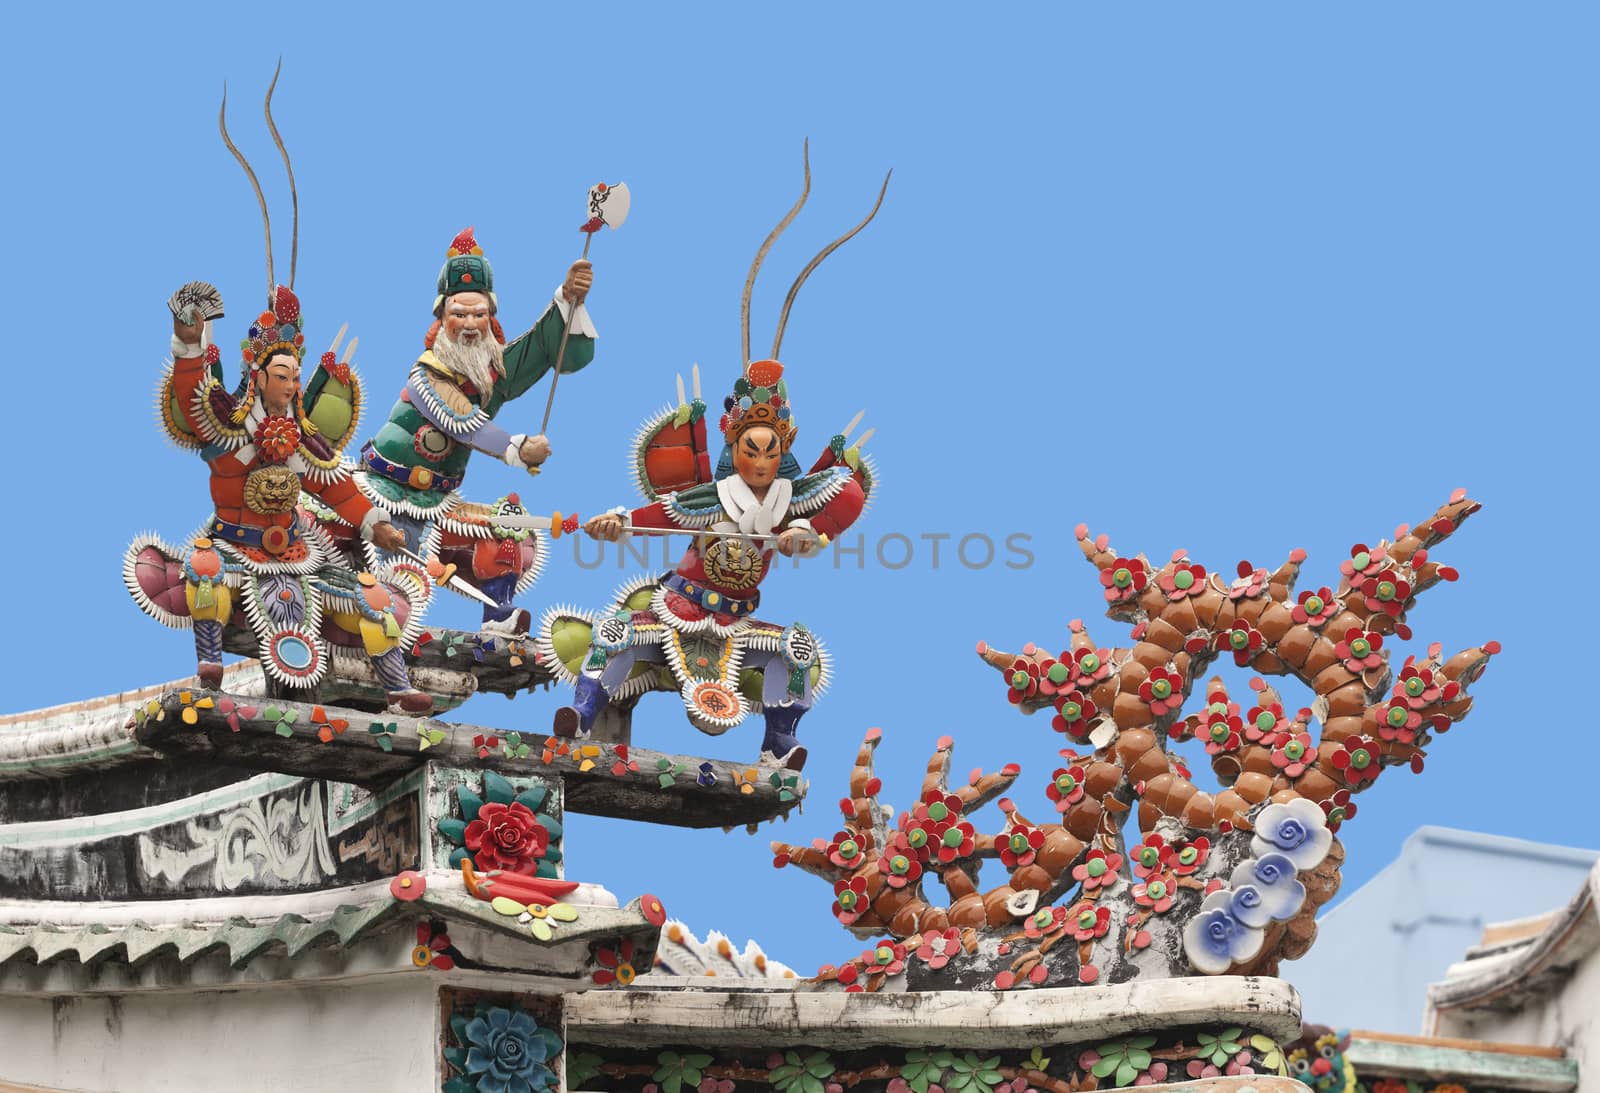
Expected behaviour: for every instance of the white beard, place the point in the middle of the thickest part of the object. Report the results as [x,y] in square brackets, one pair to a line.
[480,362]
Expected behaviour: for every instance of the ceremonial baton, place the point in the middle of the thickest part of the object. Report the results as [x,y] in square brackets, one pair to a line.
[608,205]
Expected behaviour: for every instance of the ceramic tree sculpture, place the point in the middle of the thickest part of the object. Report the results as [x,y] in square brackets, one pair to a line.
[1216,882]
[698,622]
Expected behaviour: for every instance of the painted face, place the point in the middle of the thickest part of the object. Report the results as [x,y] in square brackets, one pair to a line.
[756,455]
[281,383]
[466,317]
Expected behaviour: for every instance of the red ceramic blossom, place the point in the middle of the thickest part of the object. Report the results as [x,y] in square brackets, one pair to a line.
[1263,723]
[1156,893]
[1074,715]
[1090,666]
[1293,753]
[958,840]
[1250,585]
[1360,650]
[1221,732]
[1315,608]
[1190,856]
[1243,641]
[919,837]
[1054,676]
[1386,592]
[616,965]
[1126,578]
[1066,787]
[507,837]
[938,806]
[887,958]
[1151,857]
[1182,580]
[1019,846]
[898,867]
[1357,758]
[1338,809]
[1097,870]
[1043,921]
[430,948]
[1398,721]
[1086,921]
[1162,690]
[1421,686]
[937,948]
[1023,681]
[848,850]
[850,899]
[1363,562]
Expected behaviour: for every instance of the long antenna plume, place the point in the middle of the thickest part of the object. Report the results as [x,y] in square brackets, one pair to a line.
[294,197]
[750,281]
[222,123]
[783,319]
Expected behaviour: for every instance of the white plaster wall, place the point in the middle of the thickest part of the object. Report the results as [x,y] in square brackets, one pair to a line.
[1568,1017]
[1416,917]
[380,1034]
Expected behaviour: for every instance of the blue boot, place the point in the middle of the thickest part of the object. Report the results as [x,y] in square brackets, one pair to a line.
[507,619]
[588,699]
[780,741]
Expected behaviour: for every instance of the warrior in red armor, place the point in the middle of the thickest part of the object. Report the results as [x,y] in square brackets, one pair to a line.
[699,620]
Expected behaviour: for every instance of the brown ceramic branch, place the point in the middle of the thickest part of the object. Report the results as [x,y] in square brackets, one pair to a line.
[1184,617]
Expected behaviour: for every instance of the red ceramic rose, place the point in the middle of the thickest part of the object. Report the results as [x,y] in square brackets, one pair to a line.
[507,837]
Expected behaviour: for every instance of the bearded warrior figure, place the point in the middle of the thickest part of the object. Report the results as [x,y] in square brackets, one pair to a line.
[466,373]
[699,620]
[268,445]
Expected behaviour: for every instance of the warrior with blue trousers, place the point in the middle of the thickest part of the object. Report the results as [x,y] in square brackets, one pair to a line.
[698,622]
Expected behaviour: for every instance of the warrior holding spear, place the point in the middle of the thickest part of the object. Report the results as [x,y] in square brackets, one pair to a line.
[699,620]
[467,372]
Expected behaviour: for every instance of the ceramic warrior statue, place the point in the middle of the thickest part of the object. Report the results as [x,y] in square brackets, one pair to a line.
[416,463]
[268,443]
[699,620]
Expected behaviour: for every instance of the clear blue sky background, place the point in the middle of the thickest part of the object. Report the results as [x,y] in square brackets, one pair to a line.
[1234,278]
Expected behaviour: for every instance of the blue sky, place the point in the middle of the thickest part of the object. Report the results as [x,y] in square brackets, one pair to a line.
[1234,278]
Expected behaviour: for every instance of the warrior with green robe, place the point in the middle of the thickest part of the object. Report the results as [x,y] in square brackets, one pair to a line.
[413,468]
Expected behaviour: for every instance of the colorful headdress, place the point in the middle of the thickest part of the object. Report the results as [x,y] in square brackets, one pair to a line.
[760,398]
[465,270]
[275,331]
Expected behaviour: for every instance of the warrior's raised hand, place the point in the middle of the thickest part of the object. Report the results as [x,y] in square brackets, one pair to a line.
[580,279]
[189,325]
[192,306]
